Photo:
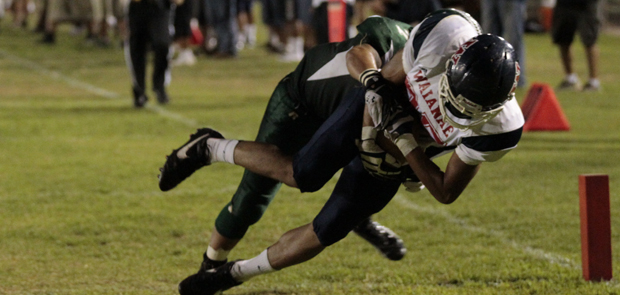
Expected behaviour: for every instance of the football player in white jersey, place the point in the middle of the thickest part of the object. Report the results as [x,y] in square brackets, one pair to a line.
[461,94]
[460,89]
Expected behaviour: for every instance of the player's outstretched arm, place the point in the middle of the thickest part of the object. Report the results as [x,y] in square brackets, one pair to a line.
[446,186]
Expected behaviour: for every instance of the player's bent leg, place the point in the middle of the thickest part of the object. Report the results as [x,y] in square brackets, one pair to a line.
[249,203]
[294,247]
[384,239]
[356,197]
[188,158]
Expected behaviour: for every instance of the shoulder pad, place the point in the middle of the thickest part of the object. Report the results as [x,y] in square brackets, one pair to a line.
[384,34]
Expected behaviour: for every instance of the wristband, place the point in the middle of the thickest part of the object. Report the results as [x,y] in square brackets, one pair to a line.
[406,143]
[369,77]
[369,132]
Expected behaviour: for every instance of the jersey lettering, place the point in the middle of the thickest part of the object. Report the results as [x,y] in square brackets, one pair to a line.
[427,103]
[425,87]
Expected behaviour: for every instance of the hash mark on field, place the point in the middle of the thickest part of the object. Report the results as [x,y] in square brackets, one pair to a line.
[75,83]
[538,253]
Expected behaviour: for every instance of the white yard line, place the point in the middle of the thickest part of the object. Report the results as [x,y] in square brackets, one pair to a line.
[75,83]
[537,253]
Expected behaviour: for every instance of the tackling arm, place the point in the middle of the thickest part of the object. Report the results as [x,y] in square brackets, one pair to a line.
[360,58]
[364,57]
[446,186]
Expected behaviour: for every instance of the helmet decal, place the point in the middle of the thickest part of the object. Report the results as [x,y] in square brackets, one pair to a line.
[457,55]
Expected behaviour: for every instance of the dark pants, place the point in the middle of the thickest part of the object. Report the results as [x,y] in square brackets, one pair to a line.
[222,15]
[148,26]
[357,194]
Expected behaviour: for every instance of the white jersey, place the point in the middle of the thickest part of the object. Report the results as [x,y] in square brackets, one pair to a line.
[430,45]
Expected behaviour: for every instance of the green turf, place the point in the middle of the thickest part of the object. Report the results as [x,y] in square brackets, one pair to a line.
[81,213]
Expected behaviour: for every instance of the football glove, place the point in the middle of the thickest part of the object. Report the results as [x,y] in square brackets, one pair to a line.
[380,96]
[399,130]
[411,181]
[375,160]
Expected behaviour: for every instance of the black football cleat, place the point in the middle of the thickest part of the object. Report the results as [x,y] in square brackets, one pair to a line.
[209,264]
[384,239]
[140,101]
[162,96]
[139,98]
[188,158]
[209,281]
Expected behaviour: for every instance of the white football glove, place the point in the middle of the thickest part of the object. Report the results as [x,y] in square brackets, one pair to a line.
[375,160]
[379,109]
[413,186]
[399,130]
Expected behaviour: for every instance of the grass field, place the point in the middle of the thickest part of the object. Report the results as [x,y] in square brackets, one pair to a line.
[81,213]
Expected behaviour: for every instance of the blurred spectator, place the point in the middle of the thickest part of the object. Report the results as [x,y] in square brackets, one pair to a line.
[59,11]
[245,22]
[148,28]
[209,43]
[183,34]
[119,13]
[285,20]
[407,11]
[43,7]
[222,16]
[19,9]
[296,13]
[570,16]
[108,14]
[273,18]
[507,18]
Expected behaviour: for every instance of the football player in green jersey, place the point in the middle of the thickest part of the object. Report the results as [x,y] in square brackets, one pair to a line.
[299,105]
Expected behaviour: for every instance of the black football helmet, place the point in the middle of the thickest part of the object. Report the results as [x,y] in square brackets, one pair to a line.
[481,76]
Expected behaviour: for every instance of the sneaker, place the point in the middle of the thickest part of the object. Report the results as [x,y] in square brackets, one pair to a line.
[139,99]
[48,38]
[569,85]
[209,281]
[291,57]
[589,87]
[384,239]
[162,96]
[188,158]
[185,58]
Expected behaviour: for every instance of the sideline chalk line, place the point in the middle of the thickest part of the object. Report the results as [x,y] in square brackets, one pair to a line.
[538,253]
[92,88]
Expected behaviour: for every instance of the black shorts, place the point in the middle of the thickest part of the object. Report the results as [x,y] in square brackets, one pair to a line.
[567,20]
[182,17]
[357,194]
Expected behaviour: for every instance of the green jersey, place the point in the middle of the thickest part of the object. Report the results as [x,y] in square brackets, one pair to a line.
[321,79]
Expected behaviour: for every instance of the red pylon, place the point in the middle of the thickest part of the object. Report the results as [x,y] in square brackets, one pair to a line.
[542,111]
